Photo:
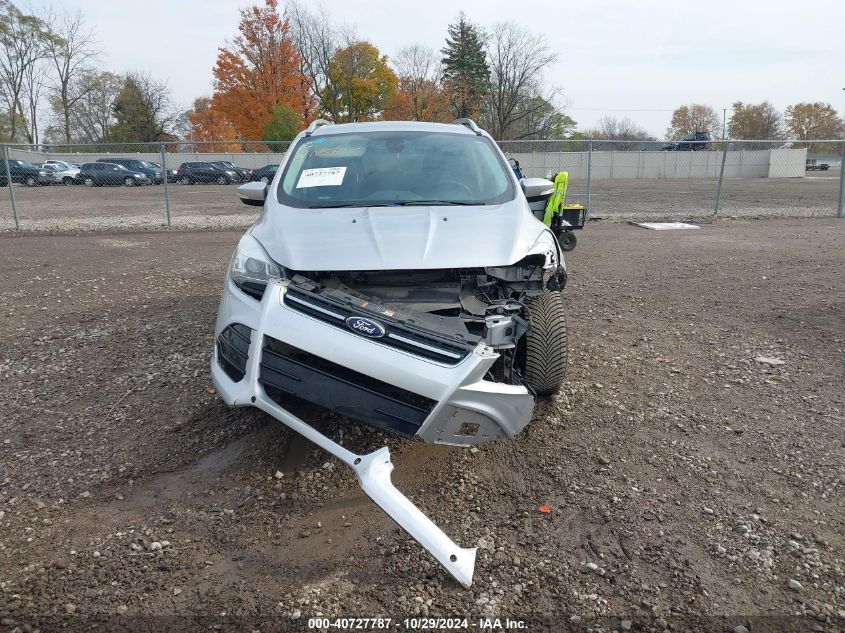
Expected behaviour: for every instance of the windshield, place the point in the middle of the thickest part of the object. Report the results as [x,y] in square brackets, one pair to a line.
[394,168]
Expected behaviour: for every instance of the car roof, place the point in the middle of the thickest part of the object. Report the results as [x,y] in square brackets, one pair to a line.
[391,126]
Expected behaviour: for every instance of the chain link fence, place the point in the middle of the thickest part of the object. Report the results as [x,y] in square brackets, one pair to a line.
[189,184]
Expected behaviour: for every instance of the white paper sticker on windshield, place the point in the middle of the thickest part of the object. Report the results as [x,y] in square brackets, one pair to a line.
[321,177]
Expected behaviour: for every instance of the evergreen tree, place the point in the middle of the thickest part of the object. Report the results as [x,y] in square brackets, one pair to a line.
[465,69]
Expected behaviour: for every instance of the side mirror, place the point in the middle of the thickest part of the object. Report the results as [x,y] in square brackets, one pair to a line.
[253,193]
[537,188]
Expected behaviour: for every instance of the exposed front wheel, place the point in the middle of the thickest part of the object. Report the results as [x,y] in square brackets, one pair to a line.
[185,180]
[567,240]
[129,182]
[31,181]
[265,179]
[545,343]
[222,180]
[88,182]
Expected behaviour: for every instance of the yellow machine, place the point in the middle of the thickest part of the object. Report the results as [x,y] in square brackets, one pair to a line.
[562,218]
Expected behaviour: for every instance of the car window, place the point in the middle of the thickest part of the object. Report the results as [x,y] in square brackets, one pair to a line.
[391,168]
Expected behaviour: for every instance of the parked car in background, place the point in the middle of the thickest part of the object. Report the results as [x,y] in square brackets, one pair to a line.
[242,172]
[189,173]
[817,166]
[23,172]
[100,173]
[690,143]
[264,174]
[133,164]
[171,173]
[62,172]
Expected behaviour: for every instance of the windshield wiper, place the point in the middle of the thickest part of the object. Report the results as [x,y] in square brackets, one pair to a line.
[434,203]
[343,205]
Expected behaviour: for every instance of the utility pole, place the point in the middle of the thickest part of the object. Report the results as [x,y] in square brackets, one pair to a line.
[840,210]
[724,123]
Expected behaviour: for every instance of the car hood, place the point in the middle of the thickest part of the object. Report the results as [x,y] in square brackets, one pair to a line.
[397,238]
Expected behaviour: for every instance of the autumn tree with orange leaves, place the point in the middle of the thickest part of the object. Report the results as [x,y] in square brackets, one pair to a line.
[259,72]
[209,124]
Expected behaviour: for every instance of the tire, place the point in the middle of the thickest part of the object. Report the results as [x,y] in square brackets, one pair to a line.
[88,181]
[184,180]
[129,182]
[222,180]
[567,240]
[545,343]
[31,181]
[265,179]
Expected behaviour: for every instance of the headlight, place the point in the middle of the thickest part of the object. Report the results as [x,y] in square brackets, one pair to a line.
[139,176]
[251,267]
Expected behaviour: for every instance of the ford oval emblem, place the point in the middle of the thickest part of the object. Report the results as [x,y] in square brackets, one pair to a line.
[365,327]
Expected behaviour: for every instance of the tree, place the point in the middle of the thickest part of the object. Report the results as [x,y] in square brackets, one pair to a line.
[143,111]
[517,105]
[316,41]
[692,118]
[69,52]
[259,72]
[623,131]
[91,115]
[282,126]
[22,46]
[419,74]
[206,123]
[815,121]
[465,69]
[364,81]
[755,122]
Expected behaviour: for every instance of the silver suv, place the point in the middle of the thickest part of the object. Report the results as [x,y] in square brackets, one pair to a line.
[396,275]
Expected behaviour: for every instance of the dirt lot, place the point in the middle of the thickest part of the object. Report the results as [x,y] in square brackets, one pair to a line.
[691,487]
[215,206]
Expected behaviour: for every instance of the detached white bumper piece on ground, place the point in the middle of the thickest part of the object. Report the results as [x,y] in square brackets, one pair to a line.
[246,347]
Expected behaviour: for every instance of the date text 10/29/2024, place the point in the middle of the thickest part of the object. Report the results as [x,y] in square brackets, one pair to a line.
[416,624]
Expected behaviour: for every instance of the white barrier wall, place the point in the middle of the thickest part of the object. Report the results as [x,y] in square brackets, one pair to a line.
[775,163]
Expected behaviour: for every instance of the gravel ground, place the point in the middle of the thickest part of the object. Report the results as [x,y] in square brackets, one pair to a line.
[691,485]
[61,208]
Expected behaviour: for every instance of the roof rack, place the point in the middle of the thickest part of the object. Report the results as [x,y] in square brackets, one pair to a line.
[315,124]
[468,123]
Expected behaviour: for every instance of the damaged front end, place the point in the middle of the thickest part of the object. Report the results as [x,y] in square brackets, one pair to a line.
[450,319]
[437,354]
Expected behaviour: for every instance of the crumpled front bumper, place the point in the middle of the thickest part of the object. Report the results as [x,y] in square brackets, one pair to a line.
[367,380]
[373,470]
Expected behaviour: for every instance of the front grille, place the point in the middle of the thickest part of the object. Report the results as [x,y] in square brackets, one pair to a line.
[233,350]
[294,372]
[397,335]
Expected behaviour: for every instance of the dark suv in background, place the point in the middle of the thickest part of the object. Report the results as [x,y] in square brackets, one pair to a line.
[133,164]
[690,143]
[23,172]
[264,174]
[189,173]
[243,174]
[101,173]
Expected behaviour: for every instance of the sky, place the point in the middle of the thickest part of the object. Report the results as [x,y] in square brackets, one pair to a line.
[617,58]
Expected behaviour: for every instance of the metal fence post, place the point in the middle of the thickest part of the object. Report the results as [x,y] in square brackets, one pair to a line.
[12,188]
[840,210]
[164,182]
[721,178]
[589,177]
